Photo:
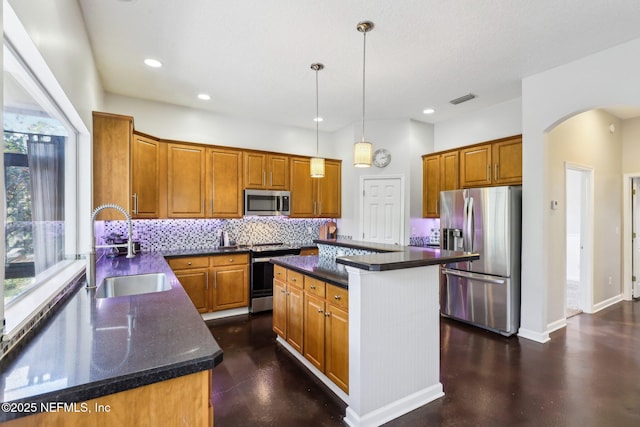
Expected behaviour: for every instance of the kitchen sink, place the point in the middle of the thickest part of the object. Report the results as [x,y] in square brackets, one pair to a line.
[133,285]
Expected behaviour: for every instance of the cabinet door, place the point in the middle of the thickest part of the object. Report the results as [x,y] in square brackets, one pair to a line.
[255,170]
[507,161]
[145,177]
[328,193]
[314,325]
[303,204]
[449,173]
[278,171]
[280,308]
[295,307]
[475,166]
[195,283]
[111,154]
[224,181]
[230,287]
[186,181]
[430,186]
[337,346]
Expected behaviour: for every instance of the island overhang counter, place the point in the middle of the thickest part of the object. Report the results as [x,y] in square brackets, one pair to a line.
[394,325]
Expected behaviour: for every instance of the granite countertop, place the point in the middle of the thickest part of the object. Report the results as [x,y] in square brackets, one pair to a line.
[92,347]
[321,268]
[394,257]
[225,250]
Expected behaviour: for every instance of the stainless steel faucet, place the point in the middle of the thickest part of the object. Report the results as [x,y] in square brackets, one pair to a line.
[91,263]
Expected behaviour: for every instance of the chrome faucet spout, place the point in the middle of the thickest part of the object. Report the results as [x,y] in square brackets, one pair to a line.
[91,262]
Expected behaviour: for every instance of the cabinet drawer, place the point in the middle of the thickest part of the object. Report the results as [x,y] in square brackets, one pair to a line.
[314,286]
[295,278]
[338,296]
[188,262]
[231,259]
[280,273]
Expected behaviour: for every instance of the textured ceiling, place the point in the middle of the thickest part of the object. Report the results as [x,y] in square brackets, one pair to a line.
[253,56]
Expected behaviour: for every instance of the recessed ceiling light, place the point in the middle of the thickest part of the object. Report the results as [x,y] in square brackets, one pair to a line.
[428,111]
[153,63]
[318,119]
[204,96]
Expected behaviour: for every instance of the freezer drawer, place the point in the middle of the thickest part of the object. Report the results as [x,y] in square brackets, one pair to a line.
[490,302]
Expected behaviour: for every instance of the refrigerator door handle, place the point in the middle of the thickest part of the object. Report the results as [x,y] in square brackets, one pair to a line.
[472,225]
[476,276]
[465,232]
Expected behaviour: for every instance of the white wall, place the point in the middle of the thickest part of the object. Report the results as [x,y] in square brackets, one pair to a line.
[407,140]
[497,121]
[187,124]
[631,146]
[608,78]
[585,140]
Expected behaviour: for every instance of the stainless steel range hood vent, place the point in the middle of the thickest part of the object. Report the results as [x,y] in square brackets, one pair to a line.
[464,98]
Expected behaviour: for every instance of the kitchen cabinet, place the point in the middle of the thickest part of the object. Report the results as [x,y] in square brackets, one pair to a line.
[315,197]
[186,167]
[326,330]
[181,400]
[216,282]
[112,135]
[224,183]
[230,277]
[309,251]
[497,162]
[288,306]
[266,171]
[193,275]
[439,173]
[146,160]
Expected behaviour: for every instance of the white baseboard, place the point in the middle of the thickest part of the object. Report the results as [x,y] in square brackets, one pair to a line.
[225,313]
[558,324]
[607,303]
[541,337]
[394,409]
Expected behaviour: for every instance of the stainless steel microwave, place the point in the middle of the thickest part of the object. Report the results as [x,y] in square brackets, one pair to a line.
[267,202]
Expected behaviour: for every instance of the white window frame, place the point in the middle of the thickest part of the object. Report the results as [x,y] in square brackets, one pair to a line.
[19,314]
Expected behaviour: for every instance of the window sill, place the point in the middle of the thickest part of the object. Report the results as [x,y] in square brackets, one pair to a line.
[25,314]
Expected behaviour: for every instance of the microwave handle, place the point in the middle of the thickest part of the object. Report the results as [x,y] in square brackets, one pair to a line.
[279,203]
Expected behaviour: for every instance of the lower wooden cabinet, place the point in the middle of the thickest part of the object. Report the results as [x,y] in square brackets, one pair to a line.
[216,282]
[323,322]
[182,400]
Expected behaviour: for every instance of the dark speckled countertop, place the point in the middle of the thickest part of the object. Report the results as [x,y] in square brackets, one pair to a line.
[93,347]
[321,268]
[393,257]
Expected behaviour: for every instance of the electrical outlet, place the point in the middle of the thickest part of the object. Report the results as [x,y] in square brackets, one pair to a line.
[610,280]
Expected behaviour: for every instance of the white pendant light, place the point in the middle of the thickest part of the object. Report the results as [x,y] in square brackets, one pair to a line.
[317,163]
[363,150]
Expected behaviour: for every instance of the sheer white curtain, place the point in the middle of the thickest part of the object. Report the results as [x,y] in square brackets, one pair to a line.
[46,166]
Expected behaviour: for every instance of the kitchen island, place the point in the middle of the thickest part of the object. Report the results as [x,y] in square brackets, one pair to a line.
[115,361]
[393,324]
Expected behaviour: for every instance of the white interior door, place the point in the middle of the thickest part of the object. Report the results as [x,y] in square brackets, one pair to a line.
[383,210]
[635,224]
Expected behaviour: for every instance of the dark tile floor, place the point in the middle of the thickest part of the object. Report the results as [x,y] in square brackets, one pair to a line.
[587,375]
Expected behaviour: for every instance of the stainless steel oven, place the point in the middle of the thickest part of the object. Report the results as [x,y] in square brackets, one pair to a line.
[262,274]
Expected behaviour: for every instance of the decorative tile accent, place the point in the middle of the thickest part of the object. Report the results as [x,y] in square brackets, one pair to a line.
[172,234]
[332,251]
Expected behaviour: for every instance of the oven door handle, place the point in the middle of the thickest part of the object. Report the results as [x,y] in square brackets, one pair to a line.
[267,259]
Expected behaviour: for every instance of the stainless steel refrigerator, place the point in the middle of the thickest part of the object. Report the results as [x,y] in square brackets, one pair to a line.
[485,292]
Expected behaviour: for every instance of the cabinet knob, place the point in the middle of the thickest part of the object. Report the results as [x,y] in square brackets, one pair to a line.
[293,279]
[337,297]
[313,286]
[327,314]
[189,263]
[230,259]
[320,310]
[283,291]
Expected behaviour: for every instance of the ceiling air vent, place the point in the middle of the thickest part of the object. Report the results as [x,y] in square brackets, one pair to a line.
[464,98]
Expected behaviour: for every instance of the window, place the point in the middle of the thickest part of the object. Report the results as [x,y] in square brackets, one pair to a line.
[40,195]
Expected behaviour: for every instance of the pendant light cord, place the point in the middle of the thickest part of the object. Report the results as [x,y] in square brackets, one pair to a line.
[364,62]
[317,119]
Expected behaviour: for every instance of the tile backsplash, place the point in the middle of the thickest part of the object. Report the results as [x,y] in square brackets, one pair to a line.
[170,234]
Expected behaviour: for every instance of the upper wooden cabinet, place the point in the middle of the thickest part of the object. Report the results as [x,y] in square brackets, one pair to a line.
[146,158]
[224,183]
[186,180]
[315,197]
[439,173]
[112,136]
[496,162]
[266,171]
